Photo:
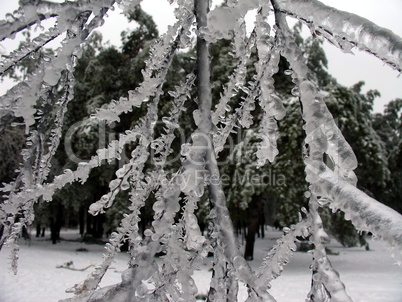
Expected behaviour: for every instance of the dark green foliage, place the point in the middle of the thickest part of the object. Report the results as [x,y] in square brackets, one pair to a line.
[11,143]
[353,110]
[389,127]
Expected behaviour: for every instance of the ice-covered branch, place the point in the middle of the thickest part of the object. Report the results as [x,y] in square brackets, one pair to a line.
[132,175]
[266,67]
[236,81]
[31,14]
[364,212]
[326,283]
[273,264]
[161,146]
[221,217]
[156,69]
[30,50]
[346,28]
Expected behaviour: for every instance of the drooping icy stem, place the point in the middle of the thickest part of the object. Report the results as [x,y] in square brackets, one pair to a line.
[326,283]
[155,72]
[141,186]
[366,213]
[203,138]
[325,280]
[275,261]
[36,162]
[324,137]
[344,28]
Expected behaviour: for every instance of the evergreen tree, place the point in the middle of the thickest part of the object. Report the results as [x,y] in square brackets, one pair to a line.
[175,195]
[389,127]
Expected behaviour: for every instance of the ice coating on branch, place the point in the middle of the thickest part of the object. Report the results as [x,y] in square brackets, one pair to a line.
[223,19]
[161,56]
[71,17]
[266,67]
[322,134]
[40,103]
[280,255]
[236,83]
[141,186]
[161,146]
[321,130]
[348,28]
[20,100]
[326,283]
[30,50]
[192,178]
[364,212]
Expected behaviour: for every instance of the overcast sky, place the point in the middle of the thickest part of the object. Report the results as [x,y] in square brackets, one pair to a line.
[347,69]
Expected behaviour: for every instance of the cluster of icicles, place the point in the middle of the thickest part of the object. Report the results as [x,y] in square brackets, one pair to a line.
[182,241]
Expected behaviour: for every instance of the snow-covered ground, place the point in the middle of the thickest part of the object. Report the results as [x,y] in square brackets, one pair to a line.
[369,276]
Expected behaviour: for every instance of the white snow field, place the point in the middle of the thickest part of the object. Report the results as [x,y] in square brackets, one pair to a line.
[369,276]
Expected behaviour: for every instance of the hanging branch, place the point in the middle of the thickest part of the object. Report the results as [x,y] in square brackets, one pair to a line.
[325,279]
[320,130]
[347,30]
[141,189]
[339,185]
[155,72]
[203,139]
[366,213]
[270,103]
[33,170]
[273,264]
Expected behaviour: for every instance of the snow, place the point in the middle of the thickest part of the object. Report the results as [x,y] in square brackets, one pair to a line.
[369,276]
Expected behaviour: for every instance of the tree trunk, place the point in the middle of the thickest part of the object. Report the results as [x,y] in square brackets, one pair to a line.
[56,221]
[38,229]
[253,214]
[82,220]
